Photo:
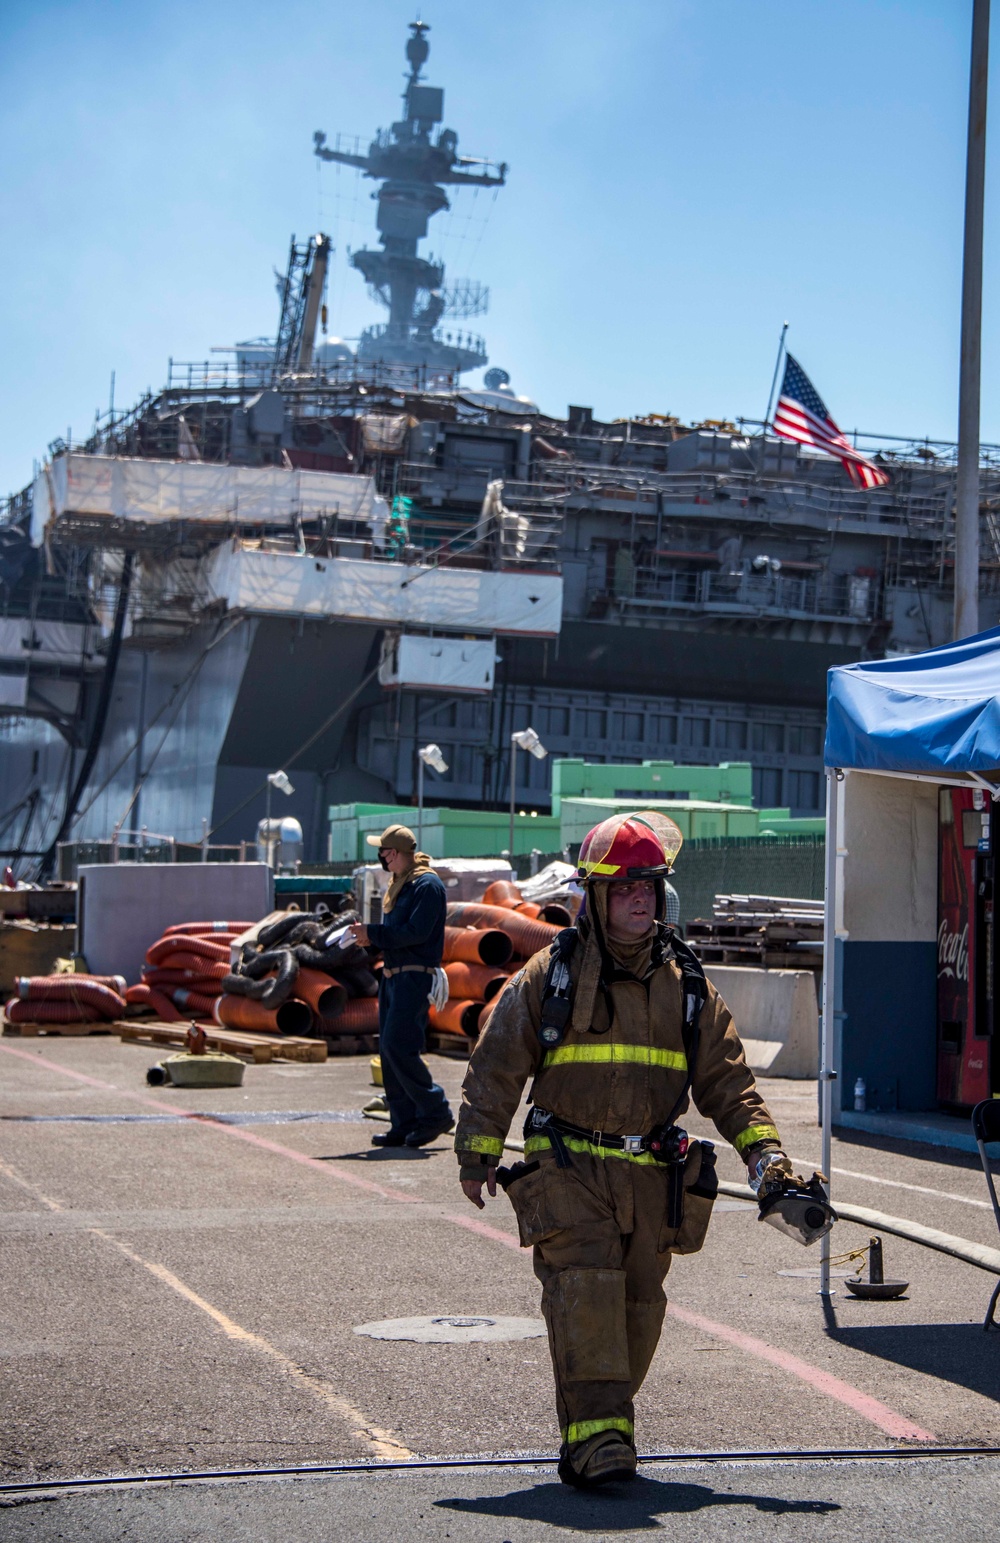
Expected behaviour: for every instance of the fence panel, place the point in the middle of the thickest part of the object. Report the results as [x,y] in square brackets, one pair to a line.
[789,866]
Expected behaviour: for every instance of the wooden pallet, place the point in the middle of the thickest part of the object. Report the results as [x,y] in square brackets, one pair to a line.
[32,1030]
[352,1044]
[457,1047]
[766,931]
[770,959]
[260,1048]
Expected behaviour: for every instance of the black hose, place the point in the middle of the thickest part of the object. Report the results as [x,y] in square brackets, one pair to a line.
[330,960]
[425,1464]
[278,989]
[358,979]
[262,964]
[256,982]
[276,931]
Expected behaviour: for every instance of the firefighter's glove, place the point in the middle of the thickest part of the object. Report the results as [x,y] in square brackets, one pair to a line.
[797,1207]
[475,1166]
[473,1175]
[772,1171]
[438,994]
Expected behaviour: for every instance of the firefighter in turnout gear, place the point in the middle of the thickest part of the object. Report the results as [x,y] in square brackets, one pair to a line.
[615,1026]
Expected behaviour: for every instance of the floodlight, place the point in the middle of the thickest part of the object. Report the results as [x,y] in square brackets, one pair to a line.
[527,739]
[432,757]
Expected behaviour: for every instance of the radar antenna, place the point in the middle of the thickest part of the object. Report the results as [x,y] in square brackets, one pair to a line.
[414,166]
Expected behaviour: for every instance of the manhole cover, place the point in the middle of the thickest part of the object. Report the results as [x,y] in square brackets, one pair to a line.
[452,1329]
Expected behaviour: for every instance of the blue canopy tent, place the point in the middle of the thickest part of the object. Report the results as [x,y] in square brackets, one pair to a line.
[928,720]
[921,714]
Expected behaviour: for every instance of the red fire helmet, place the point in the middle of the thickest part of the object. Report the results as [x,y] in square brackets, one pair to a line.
[630,846]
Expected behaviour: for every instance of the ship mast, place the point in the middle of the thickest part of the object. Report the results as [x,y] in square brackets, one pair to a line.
[414,167]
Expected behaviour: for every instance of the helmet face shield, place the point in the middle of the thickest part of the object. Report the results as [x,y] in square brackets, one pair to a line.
[799,1212]
[630,846]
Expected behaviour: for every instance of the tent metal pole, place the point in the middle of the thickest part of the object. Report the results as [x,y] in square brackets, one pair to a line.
[826,1071]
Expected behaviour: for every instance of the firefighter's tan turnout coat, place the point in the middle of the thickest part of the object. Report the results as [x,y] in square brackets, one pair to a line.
[601,1244]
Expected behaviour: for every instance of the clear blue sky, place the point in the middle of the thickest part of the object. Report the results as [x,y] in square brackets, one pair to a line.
[683,177]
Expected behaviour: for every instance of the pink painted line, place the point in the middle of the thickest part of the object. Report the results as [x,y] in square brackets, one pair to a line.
[471,1225]
[871,1409]
[824,1382]
[312,1162]
[160,1104]
[40,1060]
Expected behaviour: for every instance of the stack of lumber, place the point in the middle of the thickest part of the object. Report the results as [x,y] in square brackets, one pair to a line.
[765,930]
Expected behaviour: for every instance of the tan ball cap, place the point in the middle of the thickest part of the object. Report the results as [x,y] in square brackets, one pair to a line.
[399,838]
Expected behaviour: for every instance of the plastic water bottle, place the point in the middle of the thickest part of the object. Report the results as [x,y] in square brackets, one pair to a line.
[860,1092]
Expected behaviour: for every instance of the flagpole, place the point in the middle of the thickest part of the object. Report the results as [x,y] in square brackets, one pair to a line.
[966,618]
[774,381]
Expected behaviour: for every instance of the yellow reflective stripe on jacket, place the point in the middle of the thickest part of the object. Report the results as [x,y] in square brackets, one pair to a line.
[577,1144]
[582,1430]
[605,1055]
[490,1146]
[749,1138]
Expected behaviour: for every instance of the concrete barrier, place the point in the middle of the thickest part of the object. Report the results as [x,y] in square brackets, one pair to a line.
[776,1014]
[124,907]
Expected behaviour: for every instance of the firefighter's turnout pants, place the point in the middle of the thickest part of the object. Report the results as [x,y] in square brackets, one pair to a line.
[601,1250]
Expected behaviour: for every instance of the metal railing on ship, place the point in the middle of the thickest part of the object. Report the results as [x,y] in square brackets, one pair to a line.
[816,596]
[145,846]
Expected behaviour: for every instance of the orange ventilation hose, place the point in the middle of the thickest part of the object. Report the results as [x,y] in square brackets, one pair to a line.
[528,937]
[502,892]
[456,1018]
[470,945]
[474,982]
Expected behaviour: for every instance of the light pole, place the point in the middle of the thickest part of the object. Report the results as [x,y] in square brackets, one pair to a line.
[521,739]
[278,779]
[430,756]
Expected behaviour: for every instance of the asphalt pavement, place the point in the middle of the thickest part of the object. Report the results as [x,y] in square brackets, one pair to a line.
[182,1273]
[932,1500]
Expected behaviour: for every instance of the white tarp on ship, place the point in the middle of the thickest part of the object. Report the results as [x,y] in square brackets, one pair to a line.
[46,642]
[438,664]
[353,589]
[149,492]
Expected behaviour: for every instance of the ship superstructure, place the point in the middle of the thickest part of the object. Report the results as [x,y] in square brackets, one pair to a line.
[301,556]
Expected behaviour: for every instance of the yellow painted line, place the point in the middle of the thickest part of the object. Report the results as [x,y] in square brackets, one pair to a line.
[380,1443]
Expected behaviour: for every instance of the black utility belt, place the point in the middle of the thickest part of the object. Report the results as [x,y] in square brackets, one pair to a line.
[666,1143]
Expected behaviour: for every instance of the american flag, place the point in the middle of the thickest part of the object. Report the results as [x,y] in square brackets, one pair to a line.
[802,415]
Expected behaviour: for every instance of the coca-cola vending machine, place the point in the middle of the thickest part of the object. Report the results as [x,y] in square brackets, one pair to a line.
[966,954]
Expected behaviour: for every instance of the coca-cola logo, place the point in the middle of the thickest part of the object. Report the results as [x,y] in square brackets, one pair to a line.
[953,951]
